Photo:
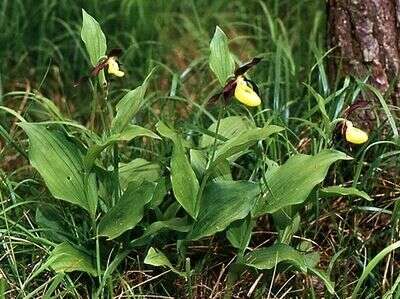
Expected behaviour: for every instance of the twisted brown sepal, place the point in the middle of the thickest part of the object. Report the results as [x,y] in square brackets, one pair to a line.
[229,88]
[244,68]
[102,64]
[226,93]
[353,107]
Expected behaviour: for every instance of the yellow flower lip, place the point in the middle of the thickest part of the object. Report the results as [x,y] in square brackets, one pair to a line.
[113,67]
[245,94]
[355,135]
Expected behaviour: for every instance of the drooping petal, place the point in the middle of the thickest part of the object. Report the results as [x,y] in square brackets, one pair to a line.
[355,135]
[245,94]
[244,68]
[113,67]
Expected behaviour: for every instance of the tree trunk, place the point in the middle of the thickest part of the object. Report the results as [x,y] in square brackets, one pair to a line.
[365,35]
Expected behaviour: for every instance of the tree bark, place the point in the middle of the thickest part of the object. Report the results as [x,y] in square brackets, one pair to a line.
[365,35]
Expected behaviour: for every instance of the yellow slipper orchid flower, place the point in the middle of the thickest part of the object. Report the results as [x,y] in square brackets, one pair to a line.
[244,90]
[110,62]
[245,93]
[113,67]
[355,135]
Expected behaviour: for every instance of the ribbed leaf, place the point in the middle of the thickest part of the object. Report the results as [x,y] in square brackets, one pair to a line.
[221,60]
[93,37]
[345,191]
[292,182]
[222,203]
[138,170]
[183,178]
[157,258]
[243,141]
[66,258]
[129,133]
[127,212]
[60,164]
[229,127]
[128,106]
[269,257]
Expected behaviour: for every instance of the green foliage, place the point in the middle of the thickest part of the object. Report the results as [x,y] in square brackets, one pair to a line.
[345,191]
[221,204]
[221,60]
[60,164]
[128,106]
[67,258]
[268,258]
[244,178]
[127,212]
[241,142]
[93,37]
[183,178]
[156,258]
[293,181]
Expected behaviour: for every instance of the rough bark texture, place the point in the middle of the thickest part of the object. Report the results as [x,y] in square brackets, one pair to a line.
[366,38]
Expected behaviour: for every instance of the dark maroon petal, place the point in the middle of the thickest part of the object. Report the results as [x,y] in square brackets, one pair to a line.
[101,65]
[116,52]
[244,68]
[214,99]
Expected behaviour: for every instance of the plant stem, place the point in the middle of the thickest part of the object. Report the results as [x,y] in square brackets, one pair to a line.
[207,173]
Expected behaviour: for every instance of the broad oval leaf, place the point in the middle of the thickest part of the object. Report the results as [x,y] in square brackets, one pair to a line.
[269,257]
[239,233]
[60,164]
[229,127]
[222,203]
[138,170]
[184,182]
[127,212]
[93,37]
[221,60]
[292,182]
[156,258]
[67,258]
[128,106]
[53,225]
[345,191]
[198,160]
[129,133]
[243,141]
[173,224]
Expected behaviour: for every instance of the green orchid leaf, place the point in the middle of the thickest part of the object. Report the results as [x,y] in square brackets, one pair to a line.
[128,106]
[93,37]
[156,258]
[67,258]
[60,164]
[138,170]
[127,212]
[184,182]
[239,233]
[222,203]
[268,257]
[229,127]
[243,141]
[221,60]
[293,181]
[345,191]
[173,224]
[129,133]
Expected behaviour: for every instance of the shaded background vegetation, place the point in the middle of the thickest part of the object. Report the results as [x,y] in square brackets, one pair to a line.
[41,51]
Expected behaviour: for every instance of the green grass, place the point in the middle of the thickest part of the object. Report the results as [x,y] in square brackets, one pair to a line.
[42,55]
